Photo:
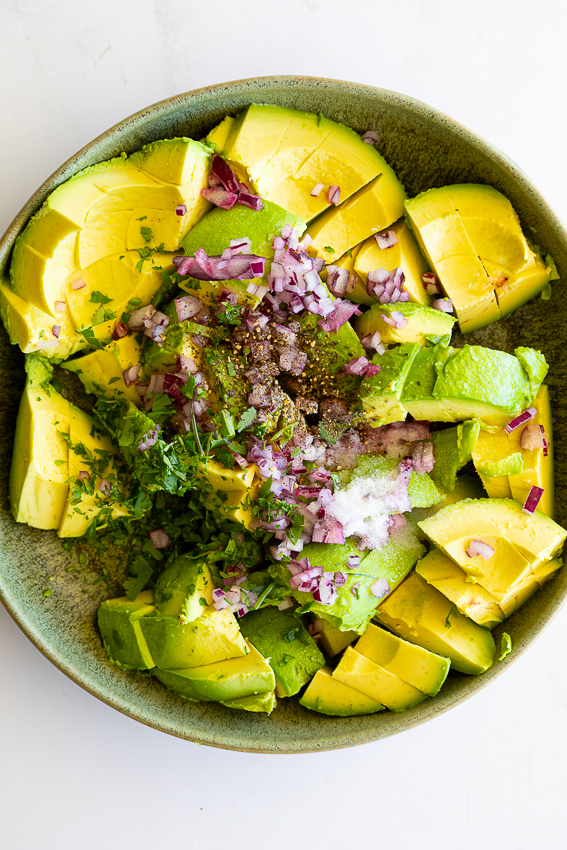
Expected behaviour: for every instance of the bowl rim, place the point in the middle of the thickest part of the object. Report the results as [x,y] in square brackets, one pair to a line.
[435,707]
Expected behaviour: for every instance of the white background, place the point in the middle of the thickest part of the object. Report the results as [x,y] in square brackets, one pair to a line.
[75,773]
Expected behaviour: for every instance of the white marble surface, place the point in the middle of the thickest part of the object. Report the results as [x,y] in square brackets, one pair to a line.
[76,774]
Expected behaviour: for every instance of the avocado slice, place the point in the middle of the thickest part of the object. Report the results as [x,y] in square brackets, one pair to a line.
[470,598]
[417,392]
[282,638]
[102,371]
[418,613]
[222,681]
[256,702]
[373,208]
[405,254]
[537,466]
[414,664]
[327,695]
[376,682]
[521,592]
[213,637]
[382,393]
[453,449]
[118,621]
[422,323]
[184,589]
[333,640]
[287,152]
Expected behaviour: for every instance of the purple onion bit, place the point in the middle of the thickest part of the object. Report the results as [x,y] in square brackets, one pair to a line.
[386,239]
[524,417]
[533,500]
[380,588]
[479,547]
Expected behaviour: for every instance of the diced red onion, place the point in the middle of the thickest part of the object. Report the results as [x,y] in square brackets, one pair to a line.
[316,191]
[431,283]
[186,364]
[371,341]
[339,316]
[254,202]
[524,417]
[326,593]
[395,319]
[56,330]
[334,195]
[372,369]
[187,307]
[149,439]
[60,306]
[386,239]
[105,487]
[224,173]
[355,588]
[533,500]
[479,547]
[137,321]
[380,588]
[240,267]
[443,304]
[353,561]
[181,209]
[220,197]
[78,284]
[160,539]
[120,331]
[358,366]
[423,458]
[371,137]
[83,474]
[131,374]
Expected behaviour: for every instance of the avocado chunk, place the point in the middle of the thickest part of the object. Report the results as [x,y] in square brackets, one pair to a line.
[184,589]
[286,153]
[453,449]
[102,371]
[333,640]
[327,695]
[32,330]
[233,505]
[470,598]
[521,592]
[39,471]
[381,394]
[422,322]
[420,614]
[213,637]
[417,392]
[118,621]
[376,682]
[373,473]
[282,638]
[404,255]
[256,702]
[221,681]
[414,664]
[373,208]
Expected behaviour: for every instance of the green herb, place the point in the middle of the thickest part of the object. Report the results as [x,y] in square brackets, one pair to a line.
[448,623]
[89,336]
[142,218]
[47,593]
[203,602]
[505,646]
[349,252]
[99,298]
[263,595]
[230,368]
[113,380]
[291,635]
[246,419]
[320,119]
[146,234]
[329,249]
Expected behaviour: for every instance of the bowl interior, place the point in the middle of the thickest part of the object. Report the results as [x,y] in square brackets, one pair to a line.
[426,149]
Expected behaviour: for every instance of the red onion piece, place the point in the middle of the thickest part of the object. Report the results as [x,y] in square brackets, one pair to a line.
[431,283]
[479,547]
[149,439]
[224,173]
[395,319]
[105,487]
[371,137]
[380,588]
[443,304]
[78,284]
[358,366]
[334,195]
[137,321]
[339,316]
[533,437]
[83,474]
[372,369]
[181,209]
[355,588]
[220,197]
[254,202]
[423,458]
[326,593]
[316,191]
[533,500]
[353,561]
[187,307]
[131,374]
[120,331]
[340,579]
[386,239]
[60,306]
[524,417]
[240,267]
[371,341]
[56,330]
[160,539]
[545,448]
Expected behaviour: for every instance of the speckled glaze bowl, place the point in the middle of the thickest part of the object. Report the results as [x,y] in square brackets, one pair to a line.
[426,149]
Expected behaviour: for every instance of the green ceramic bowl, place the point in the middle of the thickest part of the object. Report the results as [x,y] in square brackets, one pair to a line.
[426,149]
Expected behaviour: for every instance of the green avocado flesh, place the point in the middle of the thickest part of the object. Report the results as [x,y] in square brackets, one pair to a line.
[219,450]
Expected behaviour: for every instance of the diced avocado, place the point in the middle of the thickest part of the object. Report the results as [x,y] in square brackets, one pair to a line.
[536,536]
[110,285]
[327,695]
[324,374]
[217,137]
[287,152]
[371,679]
[234,505]
[420,614]
[483,383]
[414,664]
[470,598]
[452,449]
[381,394]
[282,638]
[417,393]
[32,329]
[422,322]
[256,702]
[39,471]
[405,255]
[221,681]
[214,637]
[118,621]
[422,491]
[102,371]
[452,255]
[333,640]
[521,592]
[222,478]
[215,230]
[184,589]
[374,207]
[454,528]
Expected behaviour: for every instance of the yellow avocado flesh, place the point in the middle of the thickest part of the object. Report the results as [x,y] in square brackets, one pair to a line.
[379,684]
[32,329]
[40,279]
[522,592]
[286,153]
[405,254]
[420,614]
[39,471]
[327,695]
[422,321]
[414,664]
[236,507]
[332,639]
[232,679]
[257,702]
[536,536]
[79,511]
[371,209]
[118,621]
[471,599]
[101,371]
[213,637]
[227,480]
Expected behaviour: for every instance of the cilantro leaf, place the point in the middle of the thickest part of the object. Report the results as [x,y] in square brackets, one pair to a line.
[99,298]
[147,234]
[246,419]
[89,336]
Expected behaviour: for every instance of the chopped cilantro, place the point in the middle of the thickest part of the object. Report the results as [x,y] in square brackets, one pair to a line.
[113,380]
[90,337]
[329,249]
[203,602]
[246,419]
[147,234]
[142,218]
[99,298]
